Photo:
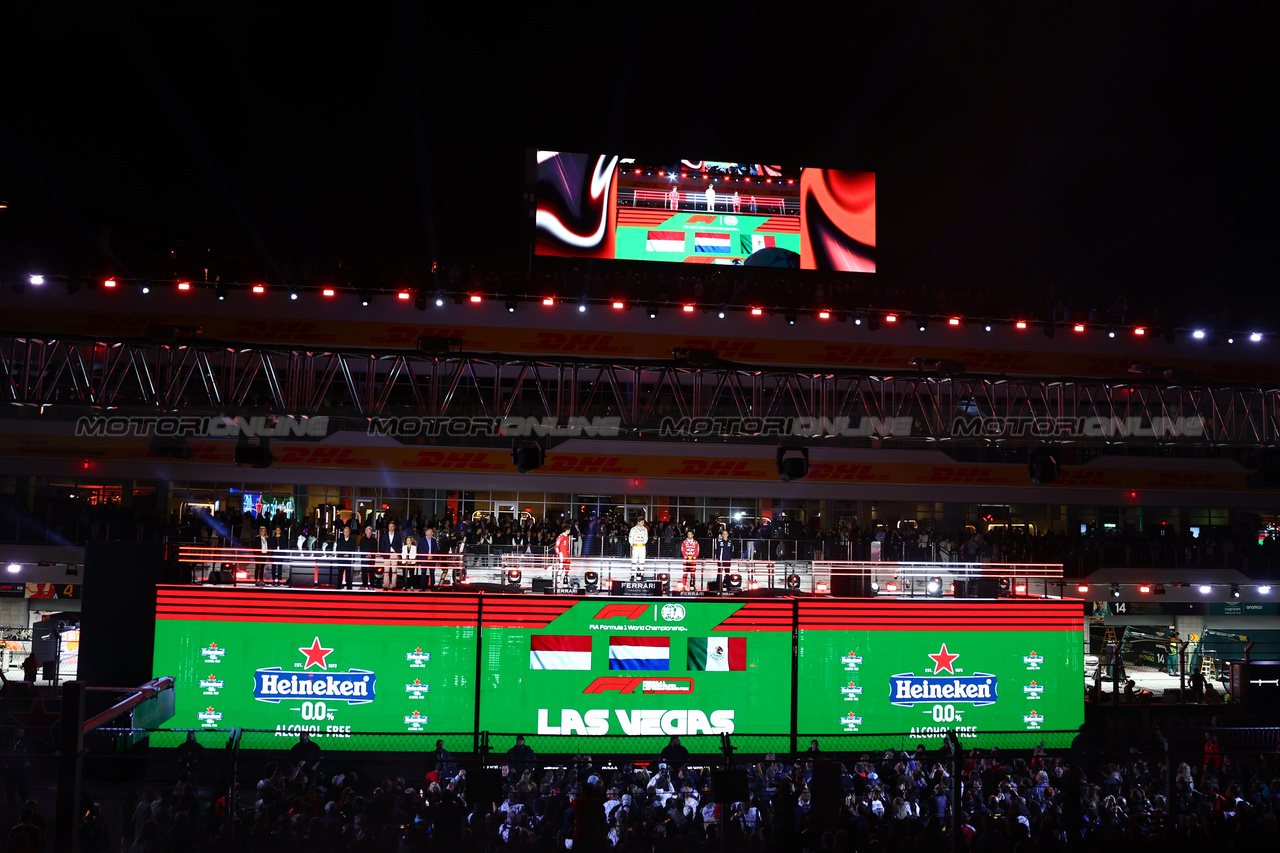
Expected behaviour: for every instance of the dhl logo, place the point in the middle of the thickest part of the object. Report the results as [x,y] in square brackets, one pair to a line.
[567,463]
[1077,478]
[1191,480]
[740,468]
[407,336]
[577,342]
[844,471]
[304,455]
[729,349]
[279,330]
[867,355]
[454,460]
[962,475]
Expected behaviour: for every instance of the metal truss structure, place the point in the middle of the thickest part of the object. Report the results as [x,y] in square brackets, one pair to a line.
[716,399]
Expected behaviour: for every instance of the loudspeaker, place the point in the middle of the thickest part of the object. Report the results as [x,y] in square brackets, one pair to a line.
[851,586]
[218,576]
[119,611]
[542,585]
[984,588]
[484,787]
[301,578]
[826,793]
[961,588]
[730,786]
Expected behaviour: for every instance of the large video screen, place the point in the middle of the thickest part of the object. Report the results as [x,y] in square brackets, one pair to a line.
[924,668]
[331,665]
[708,212]
[692,668]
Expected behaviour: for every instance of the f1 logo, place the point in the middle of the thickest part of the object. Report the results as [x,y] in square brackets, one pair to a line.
[630,612]
[611,683]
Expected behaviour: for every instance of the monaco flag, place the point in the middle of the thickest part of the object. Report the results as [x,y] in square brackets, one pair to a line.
[547,651]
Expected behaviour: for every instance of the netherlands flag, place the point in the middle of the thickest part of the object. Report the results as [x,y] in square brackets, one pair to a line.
[547,651]
[719,244]
[645,653]
[665,241]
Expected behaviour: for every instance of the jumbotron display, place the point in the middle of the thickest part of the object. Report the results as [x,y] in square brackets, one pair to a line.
[922,668]
[635,670]
[684,667]
[605,206]
[316,662]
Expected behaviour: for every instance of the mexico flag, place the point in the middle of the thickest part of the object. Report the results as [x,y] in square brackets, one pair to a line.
[718,654]
[547,651]
[643,653]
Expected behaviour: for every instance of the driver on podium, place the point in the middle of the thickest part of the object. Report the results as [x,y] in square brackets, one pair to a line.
[563,545]
[639,538]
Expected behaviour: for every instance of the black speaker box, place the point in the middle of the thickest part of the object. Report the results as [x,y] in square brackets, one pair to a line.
[542,585]
[484,787]
[851,586]
[730,786]
[984,588]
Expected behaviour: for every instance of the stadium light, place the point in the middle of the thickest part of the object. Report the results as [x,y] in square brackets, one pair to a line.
[933,586]
[1079,327]
[439,301]
[653,312]
[1115,590]
[756,312]
[549,301]
[1205,589]
[221,292]
[35,279]
[328,292]
[954,321]
[582,307]
[259,289]
[619,305]
[1198,334]
[511,306]
[109,282]
[476,299]
[1021,324]
[14,567]
[1139,331]
[891,318]
[184,285]
[1235,590]
[1255,336]
[293,293]
[1265,589]
[404,296]
[688,309]
[146,288]
[824,315]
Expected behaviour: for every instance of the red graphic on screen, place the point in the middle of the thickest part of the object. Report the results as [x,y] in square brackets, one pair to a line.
[837,220]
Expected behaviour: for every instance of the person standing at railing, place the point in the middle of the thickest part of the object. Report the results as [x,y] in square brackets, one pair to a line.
[409,562]
[262,545]
[346,547]
[429,547]
[279,542]
[390,543]
[563,549]
[639,539]
[722,552]
[368,548]
[689,549]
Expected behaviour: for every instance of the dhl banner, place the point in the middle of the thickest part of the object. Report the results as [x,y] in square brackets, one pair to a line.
[888,353]
[696,465]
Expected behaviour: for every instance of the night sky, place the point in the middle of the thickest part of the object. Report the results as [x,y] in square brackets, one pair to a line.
[1116,146]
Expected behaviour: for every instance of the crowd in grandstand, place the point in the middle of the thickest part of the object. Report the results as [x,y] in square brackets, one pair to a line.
[1009,800]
